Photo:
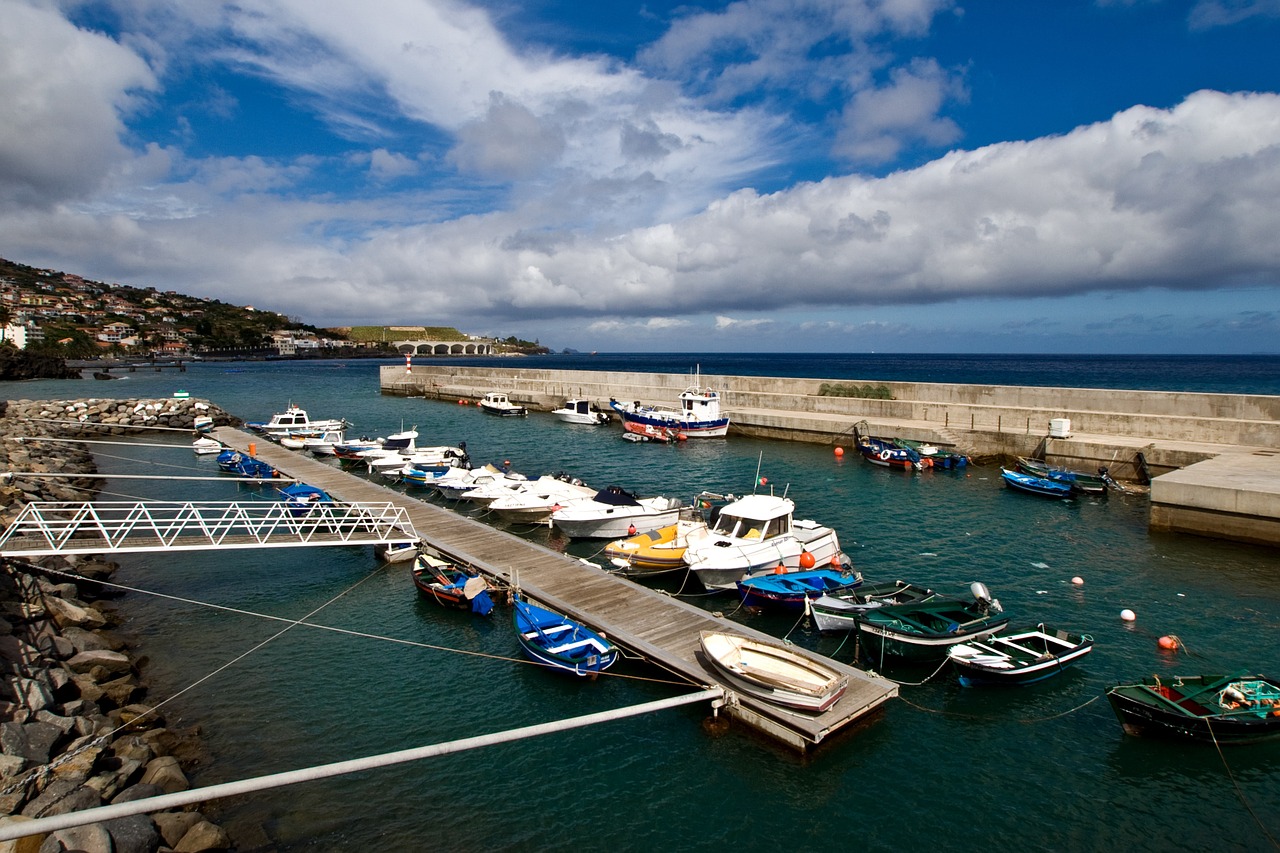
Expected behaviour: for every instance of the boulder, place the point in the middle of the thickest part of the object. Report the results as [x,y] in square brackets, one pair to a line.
[113,662]
[174,825]
[25,844]
[92,838]
[166,772]
[62,796]
[204,836]
[66,615]
[133,834]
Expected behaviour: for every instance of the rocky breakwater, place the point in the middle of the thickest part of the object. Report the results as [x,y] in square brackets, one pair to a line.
[76,728]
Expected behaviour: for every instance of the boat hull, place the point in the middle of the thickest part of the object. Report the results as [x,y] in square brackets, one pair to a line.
[1170,711]
[1017,659]
[842,613]
[773,673]
[558,642]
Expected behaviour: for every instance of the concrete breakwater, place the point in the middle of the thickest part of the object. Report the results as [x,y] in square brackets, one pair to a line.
[75,729]
[1135,434]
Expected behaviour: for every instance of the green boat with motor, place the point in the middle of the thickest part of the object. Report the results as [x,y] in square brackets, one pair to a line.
[923,631]
[1093,484]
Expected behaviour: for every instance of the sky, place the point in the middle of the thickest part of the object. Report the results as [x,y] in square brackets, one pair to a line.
[925,176]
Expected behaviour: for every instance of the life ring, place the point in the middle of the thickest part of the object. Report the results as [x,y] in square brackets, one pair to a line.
[885,455]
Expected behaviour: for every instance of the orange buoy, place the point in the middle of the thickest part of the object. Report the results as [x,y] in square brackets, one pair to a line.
[780,570]
[806,560]
[1169,643]
[631,531]
[253,449]
[839,451]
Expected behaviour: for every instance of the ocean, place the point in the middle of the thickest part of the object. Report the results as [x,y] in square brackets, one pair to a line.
[1044,767]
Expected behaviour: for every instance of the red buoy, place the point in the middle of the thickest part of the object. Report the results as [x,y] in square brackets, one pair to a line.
[1168,643]
[806,560]
[839,452]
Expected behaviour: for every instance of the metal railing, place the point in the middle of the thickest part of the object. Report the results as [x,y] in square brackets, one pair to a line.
[44,528]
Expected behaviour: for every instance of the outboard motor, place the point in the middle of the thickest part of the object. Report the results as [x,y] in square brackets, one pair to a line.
[983,596]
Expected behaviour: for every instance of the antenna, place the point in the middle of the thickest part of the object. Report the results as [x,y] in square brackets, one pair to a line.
[756,484]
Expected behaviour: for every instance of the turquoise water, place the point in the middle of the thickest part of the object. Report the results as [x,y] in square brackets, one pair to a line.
[1044,767]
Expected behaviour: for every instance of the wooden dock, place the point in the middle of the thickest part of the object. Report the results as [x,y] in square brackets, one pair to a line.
[658,627]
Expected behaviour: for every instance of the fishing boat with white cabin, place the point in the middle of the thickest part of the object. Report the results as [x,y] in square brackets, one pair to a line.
[294,419]
[698,415]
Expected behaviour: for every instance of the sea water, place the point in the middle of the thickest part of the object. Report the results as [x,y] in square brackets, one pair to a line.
[1044,767]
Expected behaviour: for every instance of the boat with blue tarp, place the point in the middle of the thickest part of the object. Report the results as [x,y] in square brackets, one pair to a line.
[790,590]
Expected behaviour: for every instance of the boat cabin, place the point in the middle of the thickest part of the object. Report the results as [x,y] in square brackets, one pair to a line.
[755,517]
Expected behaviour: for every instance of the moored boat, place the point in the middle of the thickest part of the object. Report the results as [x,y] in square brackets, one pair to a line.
[614,512]
[294,419]
[1078,480]
[1221,709]
[698,416]
[581,412]
[499,403]
[206,446]
[754,535]
[791,590]
[841,611]
[774,673]
[301,498]
[932,456]
[559,642]
[1032,485]
[451,586]
[1022,657]
[923,631]
[534,501]
[886,454]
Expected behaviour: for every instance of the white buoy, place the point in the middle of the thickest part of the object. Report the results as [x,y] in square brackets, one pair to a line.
[1128,615]
[1077,580]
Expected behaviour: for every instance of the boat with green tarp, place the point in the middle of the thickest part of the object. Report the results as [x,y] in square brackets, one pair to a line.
[1221,709]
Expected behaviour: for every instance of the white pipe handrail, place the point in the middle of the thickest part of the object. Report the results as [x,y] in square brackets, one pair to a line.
[64,527]
[292,777]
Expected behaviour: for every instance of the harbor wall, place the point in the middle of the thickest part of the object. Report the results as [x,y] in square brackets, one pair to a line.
[1136,434]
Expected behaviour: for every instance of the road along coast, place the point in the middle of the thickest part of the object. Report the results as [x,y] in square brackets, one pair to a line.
[76,730]
[1139,436]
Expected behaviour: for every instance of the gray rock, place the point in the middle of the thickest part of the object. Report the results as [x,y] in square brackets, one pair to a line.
[204,836]
[141,791]
[92,838]
[87,641]
[112,662]
[174,825]
[133,834]
[62,796]
[166,772]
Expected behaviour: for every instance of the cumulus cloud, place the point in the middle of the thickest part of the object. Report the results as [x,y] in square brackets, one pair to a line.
[65,90]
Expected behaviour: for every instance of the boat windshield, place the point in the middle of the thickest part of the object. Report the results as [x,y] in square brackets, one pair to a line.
[744,527]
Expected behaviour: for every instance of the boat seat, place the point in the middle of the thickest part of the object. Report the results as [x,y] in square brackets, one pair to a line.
[577,644]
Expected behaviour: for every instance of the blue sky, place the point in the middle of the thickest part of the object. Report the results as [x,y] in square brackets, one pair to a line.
[842,175]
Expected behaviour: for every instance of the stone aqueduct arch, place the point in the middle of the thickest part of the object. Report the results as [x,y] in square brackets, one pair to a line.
[433,348]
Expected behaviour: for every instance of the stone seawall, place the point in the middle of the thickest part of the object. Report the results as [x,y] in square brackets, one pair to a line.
[1136,434]
[76,730]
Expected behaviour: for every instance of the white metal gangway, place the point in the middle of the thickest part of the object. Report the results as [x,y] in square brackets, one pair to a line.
[44,528]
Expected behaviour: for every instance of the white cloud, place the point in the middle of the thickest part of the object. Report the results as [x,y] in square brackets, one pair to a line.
[64,90]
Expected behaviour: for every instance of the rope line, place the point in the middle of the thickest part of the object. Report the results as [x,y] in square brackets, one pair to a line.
[1236,786]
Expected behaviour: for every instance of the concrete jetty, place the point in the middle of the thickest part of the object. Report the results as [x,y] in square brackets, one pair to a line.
[1139,436]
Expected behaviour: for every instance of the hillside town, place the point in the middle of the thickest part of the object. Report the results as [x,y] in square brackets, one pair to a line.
[66,315]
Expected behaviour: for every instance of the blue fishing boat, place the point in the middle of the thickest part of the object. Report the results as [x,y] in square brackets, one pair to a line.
[790,590]
[559,642]
[698,416]
[244,465]
[1032,485]
[886,454]
[301,498]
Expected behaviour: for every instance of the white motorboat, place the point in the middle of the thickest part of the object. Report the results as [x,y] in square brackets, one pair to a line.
[391,451]
[324,443]
[535,500]
[294,419]
[756,534]
[582,412]
[452,485]
[499,403]
[698,416]
[612,513]
[774,673]
[204,446]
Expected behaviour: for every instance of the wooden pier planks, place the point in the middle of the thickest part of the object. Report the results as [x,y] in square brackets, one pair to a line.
[660,628]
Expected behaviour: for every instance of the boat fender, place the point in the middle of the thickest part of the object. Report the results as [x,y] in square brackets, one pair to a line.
[884,455]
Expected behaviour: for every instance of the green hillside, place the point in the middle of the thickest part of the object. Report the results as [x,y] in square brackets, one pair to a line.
[404,333]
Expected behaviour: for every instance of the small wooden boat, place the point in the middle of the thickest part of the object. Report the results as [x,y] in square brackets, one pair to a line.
[1032,485]
[886,454]
[923,631]
[791,590]
[841,611]
[773,673]
[1023,657]
[561,643]
[636,431]
[244,465]
[1080,481]
[205,446]
[1219,709]
[451,586]
[932,456]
